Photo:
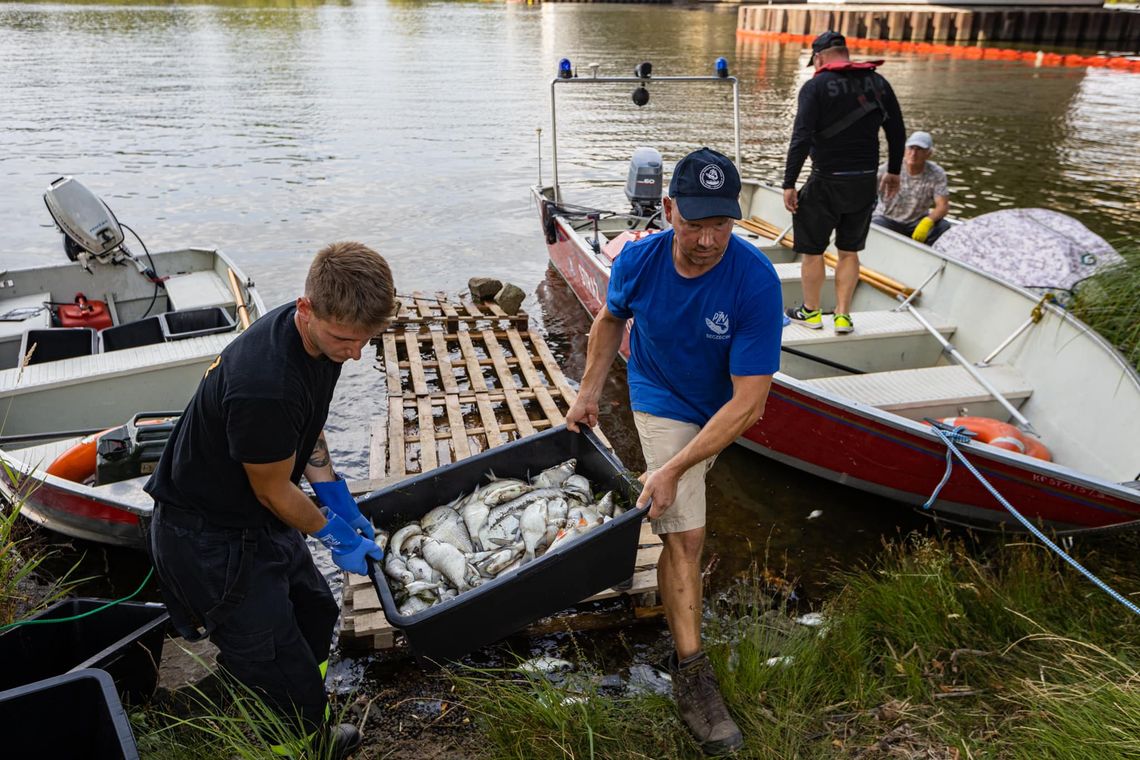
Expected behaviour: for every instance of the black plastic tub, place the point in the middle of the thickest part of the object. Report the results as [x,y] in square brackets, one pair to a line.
[602,558]
[125,640]
[141,332]
[56,343]
[190,323]
[74,715]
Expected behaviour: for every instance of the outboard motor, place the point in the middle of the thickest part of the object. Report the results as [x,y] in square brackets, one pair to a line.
[643,187]
[85,220]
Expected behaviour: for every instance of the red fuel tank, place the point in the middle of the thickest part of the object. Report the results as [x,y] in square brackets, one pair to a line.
[84,313]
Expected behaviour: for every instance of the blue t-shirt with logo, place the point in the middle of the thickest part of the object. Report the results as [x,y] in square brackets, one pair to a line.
[690,335]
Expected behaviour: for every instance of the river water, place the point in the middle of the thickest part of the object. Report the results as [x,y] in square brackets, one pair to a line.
[270,128]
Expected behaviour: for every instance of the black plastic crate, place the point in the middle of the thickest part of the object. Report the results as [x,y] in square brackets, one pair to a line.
[77,714]
[190,323]
[141,332]
[559,579]
[56,343]
[125,640]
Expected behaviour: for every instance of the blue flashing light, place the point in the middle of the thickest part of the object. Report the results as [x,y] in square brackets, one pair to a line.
[565,70]
[722,67]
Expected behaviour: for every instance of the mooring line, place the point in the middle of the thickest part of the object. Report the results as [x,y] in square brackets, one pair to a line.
[958,434]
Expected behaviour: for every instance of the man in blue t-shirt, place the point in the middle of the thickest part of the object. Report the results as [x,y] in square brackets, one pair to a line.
[704,344]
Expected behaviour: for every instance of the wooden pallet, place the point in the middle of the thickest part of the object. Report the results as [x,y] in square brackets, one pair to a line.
[364,625]
[462,378]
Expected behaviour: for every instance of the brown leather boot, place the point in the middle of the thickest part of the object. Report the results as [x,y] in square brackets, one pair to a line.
[701,706]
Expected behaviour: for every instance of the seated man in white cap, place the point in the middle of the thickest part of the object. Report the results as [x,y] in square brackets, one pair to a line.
[919,208]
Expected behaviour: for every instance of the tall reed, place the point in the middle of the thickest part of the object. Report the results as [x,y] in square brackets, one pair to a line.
[1109,302]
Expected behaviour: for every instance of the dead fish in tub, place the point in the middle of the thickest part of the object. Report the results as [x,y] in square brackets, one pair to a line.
[555,476]
[451,562]
[533,527]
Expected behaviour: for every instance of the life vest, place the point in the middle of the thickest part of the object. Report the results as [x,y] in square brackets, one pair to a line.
[849,66]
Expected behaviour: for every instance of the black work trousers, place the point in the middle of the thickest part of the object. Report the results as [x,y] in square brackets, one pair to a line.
[270,613]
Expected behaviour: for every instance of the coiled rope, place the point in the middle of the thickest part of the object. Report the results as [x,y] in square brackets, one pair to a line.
[952,436]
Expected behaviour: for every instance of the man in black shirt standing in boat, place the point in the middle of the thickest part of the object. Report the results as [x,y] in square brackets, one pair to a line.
[841,109]
[226,534]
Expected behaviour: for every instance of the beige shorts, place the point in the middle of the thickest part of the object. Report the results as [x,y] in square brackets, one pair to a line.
[661,438]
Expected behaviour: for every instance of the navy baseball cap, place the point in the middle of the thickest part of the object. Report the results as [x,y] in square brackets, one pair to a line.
[828,39]
[706,183]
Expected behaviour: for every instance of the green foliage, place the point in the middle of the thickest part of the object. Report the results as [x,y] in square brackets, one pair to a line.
[1107,303]
[20,559]
[237,724]
[936,649]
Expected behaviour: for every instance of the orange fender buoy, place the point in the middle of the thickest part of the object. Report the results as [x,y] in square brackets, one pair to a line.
[1002,435]
[77,464]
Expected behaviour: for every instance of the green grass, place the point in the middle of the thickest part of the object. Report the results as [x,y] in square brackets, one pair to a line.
[1107,302]
[929,652]
[23,590]
[236,724]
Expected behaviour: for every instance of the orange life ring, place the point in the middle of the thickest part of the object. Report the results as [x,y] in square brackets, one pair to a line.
[1002,435]
[77,464]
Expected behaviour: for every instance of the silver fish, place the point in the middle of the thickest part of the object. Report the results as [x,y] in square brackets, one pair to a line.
[500,491]
[565,536]
[422,570]
[554,476]
[474,517]
[413,546]
[501,559]
[532,525]
[449,561]
[452,531]
[504,532]
[412,606]
[419,587]
[578,485]
[556,510]
[402,535]
[436,515]
[395,568]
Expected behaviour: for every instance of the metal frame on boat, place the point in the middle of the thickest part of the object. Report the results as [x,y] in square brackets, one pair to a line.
[852,408]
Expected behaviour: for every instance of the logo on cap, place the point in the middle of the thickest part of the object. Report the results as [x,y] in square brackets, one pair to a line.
[712,178]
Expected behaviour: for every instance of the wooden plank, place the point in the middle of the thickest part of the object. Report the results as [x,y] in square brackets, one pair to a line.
[468,397]
[491,429]
[419,383]
[459,442]
[553,370]
[474,372]
[522,354]
[423,306]
[470,307]
[377,449]
[396,459]
[443,362]
[392,365]
[508,384]
[429,458]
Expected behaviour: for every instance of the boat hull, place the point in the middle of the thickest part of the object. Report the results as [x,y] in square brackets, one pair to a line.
[879,452]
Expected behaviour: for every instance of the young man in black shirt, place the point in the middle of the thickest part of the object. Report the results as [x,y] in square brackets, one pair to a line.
[226,533]
[841,109]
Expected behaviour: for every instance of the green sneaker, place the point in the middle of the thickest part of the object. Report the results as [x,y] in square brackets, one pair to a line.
[812,318]
[843,324]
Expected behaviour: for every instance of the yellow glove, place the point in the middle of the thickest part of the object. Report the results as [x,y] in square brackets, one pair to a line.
[922,229]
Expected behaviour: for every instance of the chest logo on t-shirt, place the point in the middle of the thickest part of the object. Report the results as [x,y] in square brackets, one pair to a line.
[718,323]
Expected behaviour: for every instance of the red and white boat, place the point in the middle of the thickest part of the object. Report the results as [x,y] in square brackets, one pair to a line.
[852,408]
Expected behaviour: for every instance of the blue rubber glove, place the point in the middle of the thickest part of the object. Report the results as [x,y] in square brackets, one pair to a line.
[334,494]
[349,549]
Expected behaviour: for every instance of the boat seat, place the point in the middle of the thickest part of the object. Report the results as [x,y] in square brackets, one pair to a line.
[793,289]
[944,391]
[197,290]
[882,341]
